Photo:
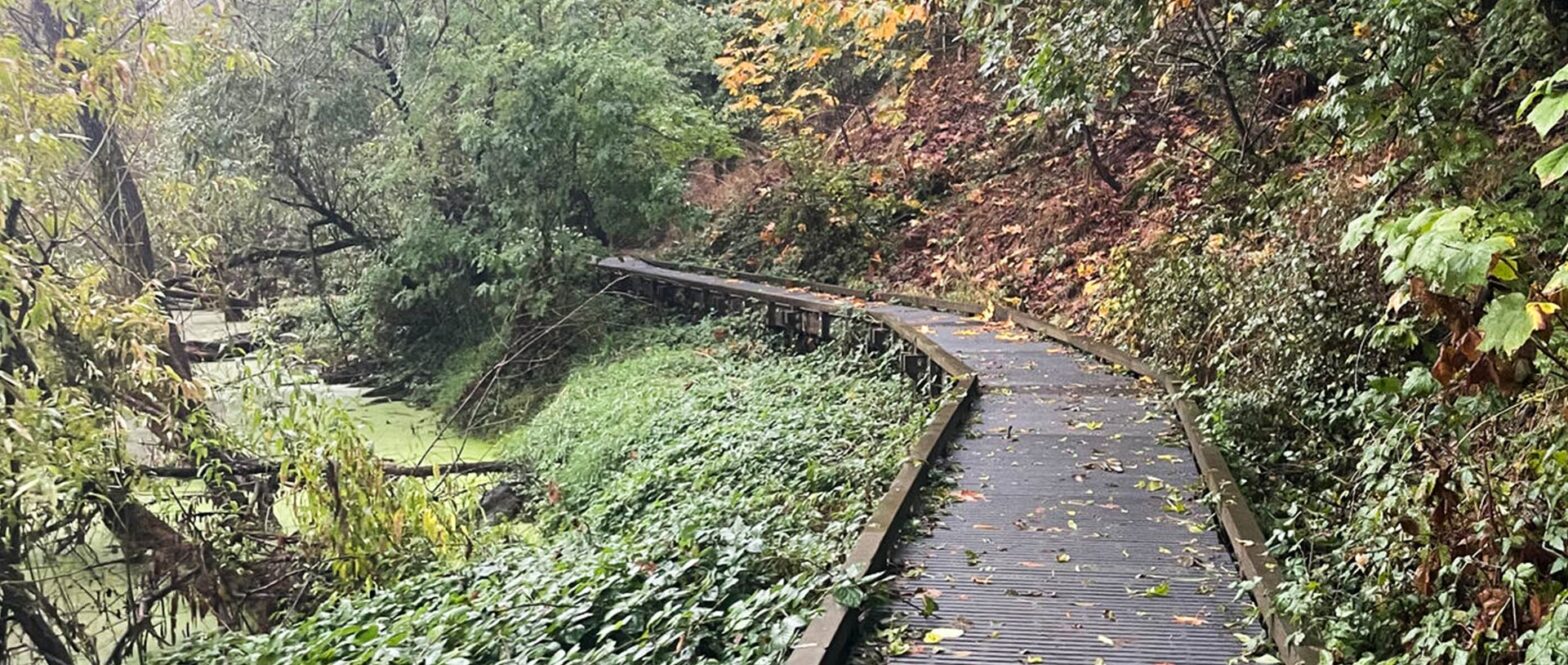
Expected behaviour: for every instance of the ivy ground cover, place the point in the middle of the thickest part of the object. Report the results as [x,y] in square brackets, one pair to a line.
[693,492]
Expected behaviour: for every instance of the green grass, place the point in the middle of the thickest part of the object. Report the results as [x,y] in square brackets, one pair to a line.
[694,494]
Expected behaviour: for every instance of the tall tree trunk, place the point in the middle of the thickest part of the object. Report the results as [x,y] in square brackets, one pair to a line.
[119,198]
[138,529]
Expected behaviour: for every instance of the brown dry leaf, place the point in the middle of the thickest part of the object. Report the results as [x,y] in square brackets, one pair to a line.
[986,527]
[968,496]
[1189,621]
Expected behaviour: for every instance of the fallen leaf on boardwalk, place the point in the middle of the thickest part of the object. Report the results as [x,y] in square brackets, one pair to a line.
[1031,564]
[966,332]
[1090,425]
[1063,558]
[1188,621]
[983,581]
[986,527]
[968,495]
[1111,464]
[936,635]
[1012,336]
[1106,640]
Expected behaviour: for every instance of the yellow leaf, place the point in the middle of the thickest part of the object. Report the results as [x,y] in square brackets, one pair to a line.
[1504,270]
[738,76]
[779,116]
[1541,313]
[887,29]
[816,57]
[936,635]
[920,63]
[747,103]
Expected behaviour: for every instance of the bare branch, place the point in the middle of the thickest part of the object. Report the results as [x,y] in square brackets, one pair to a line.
[259,254]
[388,468]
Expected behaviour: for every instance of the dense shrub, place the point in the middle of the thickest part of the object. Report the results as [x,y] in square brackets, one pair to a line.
[823,220]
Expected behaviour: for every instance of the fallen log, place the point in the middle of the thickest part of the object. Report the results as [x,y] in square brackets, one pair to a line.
[388,468]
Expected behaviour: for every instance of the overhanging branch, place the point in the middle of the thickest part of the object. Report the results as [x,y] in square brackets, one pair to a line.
[388,468]
[259,254]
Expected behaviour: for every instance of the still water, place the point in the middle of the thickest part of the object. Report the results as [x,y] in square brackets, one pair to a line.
[87,576]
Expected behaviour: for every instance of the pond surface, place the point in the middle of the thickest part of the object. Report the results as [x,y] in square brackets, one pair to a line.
[398,431]
[87,576]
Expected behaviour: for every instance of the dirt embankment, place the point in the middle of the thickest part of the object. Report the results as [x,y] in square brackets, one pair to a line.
[1011,208]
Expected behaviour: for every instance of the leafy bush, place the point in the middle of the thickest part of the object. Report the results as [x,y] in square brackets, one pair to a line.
[694,495]
[550,130]
[823,221]
[455,167]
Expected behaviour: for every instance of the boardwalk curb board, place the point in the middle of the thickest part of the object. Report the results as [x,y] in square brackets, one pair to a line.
[826,639]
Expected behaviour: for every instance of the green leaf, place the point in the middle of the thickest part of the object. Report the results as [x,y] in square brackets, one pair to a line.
[849,596]
[1419,382]
[1386,385]
[1546,114]
[1506,325]
[1552,165]
[1541,88]
[1559,279]
[1359,228]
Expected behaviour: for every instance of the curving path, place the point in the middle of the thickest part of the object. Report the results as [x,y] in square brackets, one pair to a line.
[1072,535]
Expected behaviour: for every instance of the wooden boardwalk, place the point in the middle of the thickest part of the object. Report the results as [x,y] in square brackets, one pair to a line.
[1074,534]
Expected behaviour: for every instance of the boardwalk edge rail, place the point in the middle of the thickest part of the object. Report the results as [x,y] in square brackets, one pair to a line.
[827,639]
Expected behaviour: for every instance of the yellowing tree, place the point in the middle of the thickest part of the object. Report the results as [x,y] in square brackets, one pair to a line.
[777,66]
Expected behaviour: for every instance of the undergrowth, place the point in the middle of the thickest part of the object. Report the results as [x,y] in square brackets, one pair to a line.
[693,492]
